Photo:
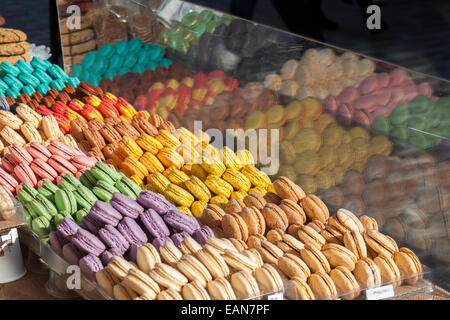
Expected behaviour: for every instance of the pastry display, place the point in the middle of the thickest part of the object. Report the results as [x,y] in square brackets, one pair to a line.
[319,73]
[119,58]
[36,76]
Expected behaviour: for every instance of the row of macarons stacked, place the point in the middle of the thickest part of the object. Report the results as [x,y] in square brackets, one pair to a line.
[72,194]
[191,92]
[315,151]
[38,75]
[28,126]
[189,171]
[423,122]
[119,58]
[120,227]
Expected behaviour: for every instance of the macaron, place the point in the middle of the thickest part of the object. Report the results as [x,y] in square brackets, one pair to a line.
[65,202]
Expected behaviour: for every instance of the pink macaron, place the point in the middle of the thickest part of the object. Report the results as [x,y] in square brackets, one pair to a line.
[362,118]
[368,85]
[25,174]
[63,150]
[8,162]
[397,77]
[397,94]
[7,181]
[61,165]
[38,151]
[425,89]
[83,162]
[364,102]
[345,114]
[20,153]
[331,104]
[348,95]
[385,111]
[383,97]
[383,80]
[43,170]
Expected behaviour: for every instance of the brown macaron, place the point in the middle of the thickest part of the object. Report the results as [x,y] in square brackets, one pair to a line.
[255,200]
[389,271]
[346,284]
[275,217]
[308,235]
[213,215]
[290,244]
[298,289]
[379,242]
[332,234]
[254,219]
[255,240]
[234,226]
[293,266]
[368,223]
[239,244]
[271,197]
[322,286]
[354,241]
[234,206]
[287,189]
[269,252]
[367,273]
[316,225]
[409,265]
[315,209]
[275,235]
[338,255]
[294,213]
[315,259]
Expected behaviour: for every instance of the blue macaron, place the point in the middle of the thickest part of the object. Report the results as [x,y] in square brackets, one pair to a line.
[73,81]
[29,79]
[28,90]
[43,88]
[8,68]
[122,71]
[156,52]
[116,62]
[164,62]
[152,65]
[106,50]
[42,76]
[138,68]
[3,85]
[110,74]
[121,47]
[134,44]
[88,60]
[130,60]
[57,84]
[57,72]
[76,70]
[13,82]
[24,66]
[39,63]
[12,92]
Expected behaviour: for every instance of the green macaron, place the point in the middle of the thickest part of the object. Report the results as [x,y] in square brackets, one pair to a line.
[104,190]
[418,122]
[27,193]
[128,188]
[85,198]
[419,104]
[80,214]
[102,172]
[48,190]
[41,210]
[381,125]
[419,139]
[65,202]
[49,206]
[41,226]
[400,133]
[399,115]
[434,116]
[87,179]
[28,210]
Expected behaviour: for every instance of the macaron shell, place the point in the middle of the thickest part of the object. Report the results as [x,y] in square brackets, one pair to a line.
[43,170]
[25,174]
[61,165]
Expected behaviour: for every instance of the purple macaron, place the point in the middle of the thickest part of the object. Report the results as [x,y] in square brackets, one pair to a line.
[67,228]
[158,242]
[132,253]
[107,255]
[181,221]
[104,213]
[132,232]
[126,206]
[89,265]
[72,254]
[177,238]
[113,239]
[157,202]
[154,224]
[90,223]
[203,234]
[57,242]
[88,242]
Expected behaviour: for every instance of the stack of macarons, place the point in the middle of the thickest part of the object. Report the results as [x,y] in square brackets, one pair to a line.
[72,195]
[28,126]
[423,122]
[101,138]
[190,28]
[315,151]
[189,171]
[120,227]
[219,269]
[191,92]
[378,94]
[38,75]
[37,163]
[133,84]
[320,72]
[119,58]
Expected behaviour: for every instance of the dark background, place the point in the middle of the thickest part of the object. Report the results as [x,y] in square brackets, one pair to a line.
[417,34]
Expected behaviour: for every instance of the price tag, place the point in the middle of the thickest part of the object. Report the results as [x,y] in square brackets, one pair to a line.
[276,296]
[380,292]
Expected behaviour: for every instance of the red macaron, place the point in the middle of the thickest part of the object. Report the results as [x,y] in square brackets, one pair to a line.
[38,151]
[20,154]
[7,181]
[25,174]
[63,150]
[43,170]
[61,165]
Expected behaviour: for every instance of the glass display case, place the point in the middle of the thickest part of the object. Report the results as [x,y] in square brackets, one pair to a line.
[361,133]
